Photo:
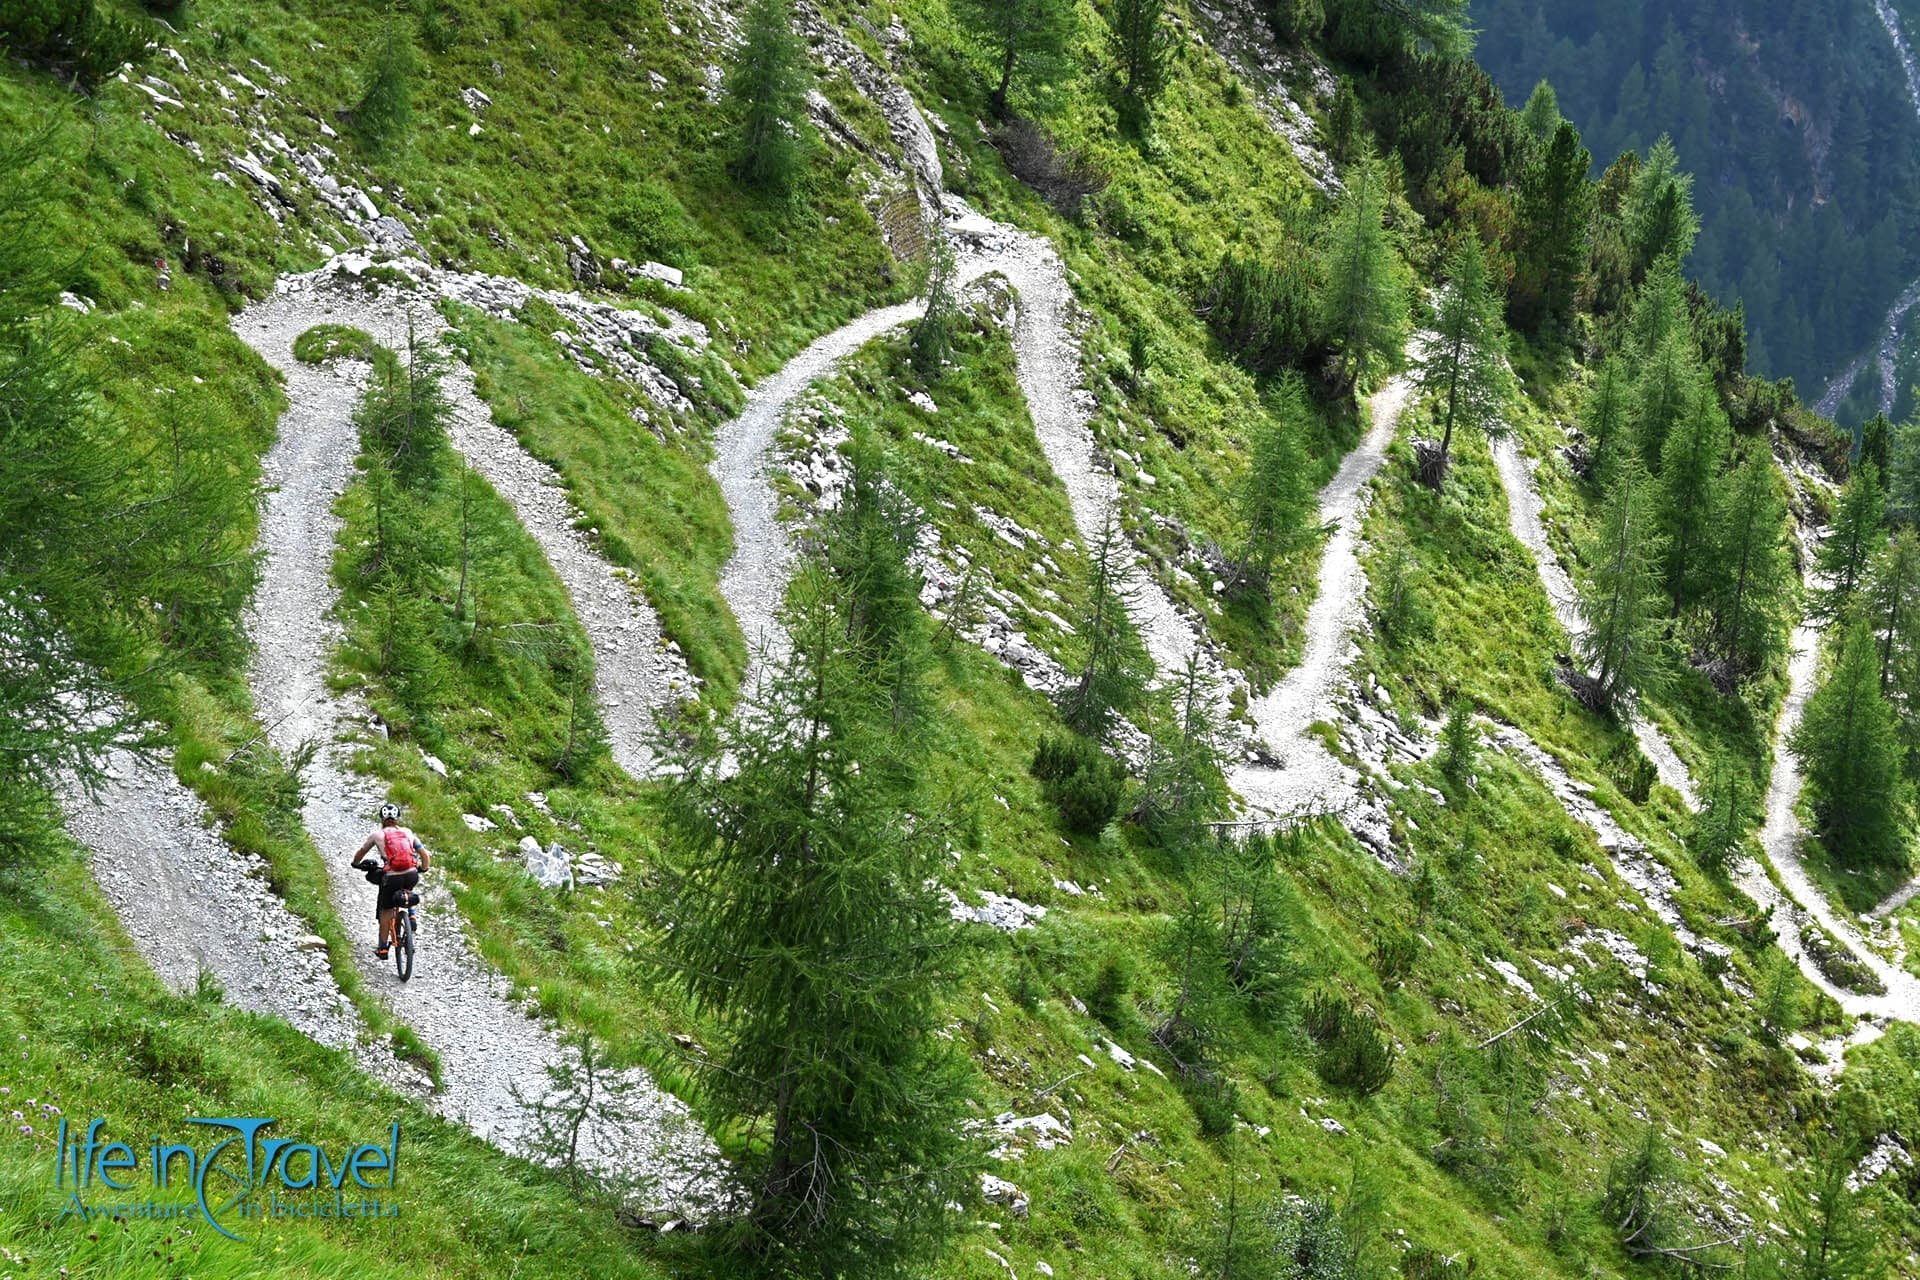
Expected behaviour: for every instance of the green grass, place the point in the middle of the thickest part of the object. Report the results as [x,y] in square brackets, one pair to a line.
[991,469]
[89,1030]
[657,510]
[573,133]
[326,342]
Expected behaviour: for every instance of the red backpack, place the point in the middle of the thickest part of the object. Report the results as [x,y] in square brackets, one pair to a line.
[398,844]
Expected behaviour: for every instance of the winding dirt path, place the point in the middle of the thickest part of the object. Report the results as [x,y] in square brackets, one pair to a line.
[1523,520]
[1796,900]
[492,1054]
[1305,776]
[1047,366]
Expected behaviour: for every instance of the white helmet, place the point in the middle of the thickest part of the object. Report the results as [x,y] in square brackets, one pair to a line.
[389,812]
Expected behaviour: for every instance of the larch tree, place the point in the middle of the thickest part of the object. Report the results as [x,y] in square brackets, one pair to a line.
[1276,494]
[1892,598]
[1849,744]
[1182,784]
[1605,426]
[1830,1234]
[804,920]
[1027,40]
[1554,222]
[1659,308]
[1364,305]
[1620,594]
[1665,392]
[1541,116]
[1464,365]
[1109,678]
[1690,463]
[1658,215]
[1748,577]
[1903,470]
[1144,46]
[1850,544]
[383,116]
[1724,816]
[71,649]
[766,90]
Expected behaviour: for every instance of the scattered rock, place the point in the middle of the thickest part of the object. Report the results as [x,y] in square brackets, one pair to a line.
[551,867]
[1001,1192]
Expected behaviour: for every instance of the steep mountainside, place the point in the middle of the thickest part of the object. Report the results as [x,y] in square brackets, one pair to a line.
[1007,668]
[1798,122]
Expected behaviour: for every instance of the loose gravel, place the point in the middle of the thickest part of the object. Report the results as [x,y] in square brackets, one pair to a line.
[193,905]
[1047,366]
[493,1055]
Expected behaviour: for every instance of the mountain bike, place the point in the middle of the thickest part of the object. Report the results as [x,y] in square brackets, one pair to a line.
[405,924]
[403,929]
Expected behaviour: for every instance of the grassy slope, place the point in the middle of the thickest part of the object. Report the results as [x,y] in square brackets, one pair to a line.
[1216,172]
[89,1030]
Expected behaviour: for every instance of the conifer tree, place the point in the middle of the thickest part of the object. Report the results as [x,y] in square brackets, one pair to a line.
[1276,496]
[932,340]
[1666,390]
[798,891]
[1464,366]
[1690,464]
[1110,679]
[1554,221]
[767,95]
[1659,309]
[870,540]
[384,115]
[1658,215]
[69,638]
[1903,470]
[1852,541]
[1143,46]
[1344,122]
[1893,601]
[1541,116]
[1604,423]
[1848,743]
[1182,784]
[1748,575]
[1620,591]
[1725,813]
[1028,41]
[1829,1234]
[1364,306]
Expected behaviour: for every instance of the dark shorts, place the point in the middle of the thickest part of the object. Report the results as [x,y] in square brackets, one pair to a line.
[392,884]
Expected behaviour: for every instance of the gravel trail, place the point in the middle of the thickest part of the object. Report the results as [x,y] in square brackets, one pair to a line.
[489,1049]
[1797,898]
[1047,366]
[1307,777]
[754,581]
[192,904]
[1523,519]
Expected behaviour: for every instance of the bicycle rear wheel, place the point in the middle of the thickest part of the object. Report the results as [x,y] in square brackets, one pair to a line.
[403,943]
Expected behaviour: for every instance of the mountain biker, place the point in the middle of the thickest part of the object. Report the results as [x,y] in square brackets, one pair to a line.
[403,858]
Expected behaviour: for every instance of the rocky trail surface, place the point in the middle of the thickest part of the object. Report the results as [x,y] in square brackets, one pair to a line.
[493,1055]
[1523,520]
[1295,773]
[193,905]
[1801,902]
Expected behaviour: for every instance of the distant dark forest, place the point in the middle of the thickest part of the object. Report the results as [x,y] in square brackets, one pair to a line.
[1795,119]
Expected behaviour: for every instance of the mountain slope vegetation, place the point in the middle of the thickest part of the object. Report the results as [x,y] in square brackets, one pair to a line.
[939,915]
